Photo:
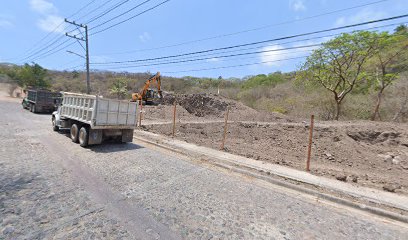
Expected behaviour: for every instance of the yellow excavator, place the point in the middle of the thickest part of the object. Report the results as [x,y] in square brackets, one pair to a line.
[147,94]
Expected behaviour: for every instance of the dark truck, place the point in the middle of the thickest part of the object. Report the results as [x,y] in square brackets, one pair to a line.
[41,101]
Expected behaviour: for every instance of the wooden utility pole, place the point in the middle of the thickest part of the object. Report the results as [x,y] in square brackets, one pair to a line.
[309,149]
[85,39]
[225,129]
[174,118]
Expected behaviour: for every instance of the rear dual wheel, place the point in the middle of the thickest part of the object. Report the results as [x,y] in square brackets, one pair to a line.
[74,133]
[83,137]
[80,136]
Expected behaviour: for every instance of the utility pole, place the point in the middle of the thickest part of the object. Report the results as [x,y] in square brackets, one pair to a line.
[86,48]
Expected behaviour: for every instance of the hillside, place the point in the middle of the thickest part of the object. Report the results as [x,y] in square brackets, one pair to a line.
[282,95]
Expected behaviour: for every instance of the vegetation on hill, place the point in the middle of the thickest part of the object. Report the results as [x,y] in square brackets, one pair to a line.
[360,75]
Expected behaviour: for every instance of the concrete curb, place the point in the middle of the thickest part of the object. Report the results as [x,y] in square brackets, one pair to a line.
[253,172]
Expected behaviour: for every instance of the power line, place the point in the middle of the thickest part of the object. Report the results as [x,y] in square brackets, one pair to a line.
[239,65]
[279,44]
[55,40]
[228,56]
[130,18]
[254,29]
[80,10]
[231,55]
[51,51]
[117,16]
[55,29]
[44,48]
[193,60]
[288,42]
[289,53]
[260,42]
[107,11]
[212,54]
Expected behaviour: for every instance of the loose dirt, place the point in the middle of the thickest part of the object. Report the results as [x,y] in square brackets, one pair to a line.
[199,107]
[365,153]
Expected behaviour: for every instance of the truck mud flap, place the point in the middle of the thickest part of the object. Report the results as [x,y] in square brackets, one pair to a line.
[127,135]
[95,136]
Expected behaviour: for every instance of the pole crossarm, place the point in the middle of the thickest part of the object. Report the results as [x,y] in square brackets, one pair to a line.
[75,37]
[74,23]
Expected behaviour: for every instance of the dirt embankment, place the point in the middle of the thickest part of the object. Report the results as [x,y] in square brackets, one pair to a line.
[360,152]
[198,107]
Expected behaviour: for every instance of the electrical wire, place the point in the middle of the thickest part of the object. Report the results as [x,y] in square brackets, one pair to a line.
[295,41]
[106,11]
[253,29]
[239,65]
[121,14]
[32,49]
[130,18]
[259,42]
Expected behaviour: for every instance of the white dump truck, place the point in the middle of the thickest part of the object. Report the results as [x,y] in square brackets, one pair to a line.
[91,118]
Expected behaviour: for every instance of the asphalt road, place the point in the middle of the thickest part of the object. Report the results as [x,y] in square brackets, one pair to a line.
[53,188]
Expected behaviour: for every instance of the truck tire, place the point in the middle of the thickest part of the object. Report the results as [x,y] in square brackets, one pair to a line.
[55,128]
[34,110]
[83,137]
[74,132]
[30,107]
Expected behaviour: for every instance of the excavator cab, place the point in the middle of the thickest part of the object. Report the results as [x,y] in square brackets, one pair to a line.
[151,96]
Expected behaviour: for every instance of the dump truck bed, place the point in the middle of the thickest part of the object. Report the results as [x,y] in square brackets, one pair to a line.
[99,112]
[43,100]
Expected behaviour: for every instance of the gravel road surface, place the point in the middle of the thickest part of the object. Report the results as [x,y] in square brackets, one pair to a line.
[51,188]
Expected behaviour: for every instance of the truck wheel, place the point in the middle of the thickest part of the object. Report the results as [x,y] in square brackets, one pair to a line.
[74,133]
[54,125]
[34,110]
[30,107]
[83,137]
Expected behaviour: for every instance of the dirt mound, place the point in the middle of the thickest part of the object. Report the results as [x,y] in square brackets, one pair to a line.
[200,105]
[373,137]
[213,106]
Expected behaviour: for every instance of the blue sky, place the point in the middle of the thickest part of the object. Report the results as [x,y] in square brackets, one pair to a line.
[30,26]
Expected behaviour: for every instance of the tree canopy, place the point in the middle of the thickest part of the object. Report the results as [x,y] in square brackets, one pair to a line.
[338,64]
[33,76]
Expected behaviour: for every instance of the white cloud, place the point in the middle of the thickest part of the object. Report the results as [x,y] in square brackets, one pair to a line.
[297,5]
[362,16]
[43,7]
[51,23]
[144,37]
[5,23]
[273,55]
[270,57]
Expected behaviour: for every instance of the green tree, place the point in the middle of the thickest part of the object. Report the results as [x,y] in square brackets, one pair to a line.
[263,80]
[33,76]
[119,88]
[386,63]
[338,65]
